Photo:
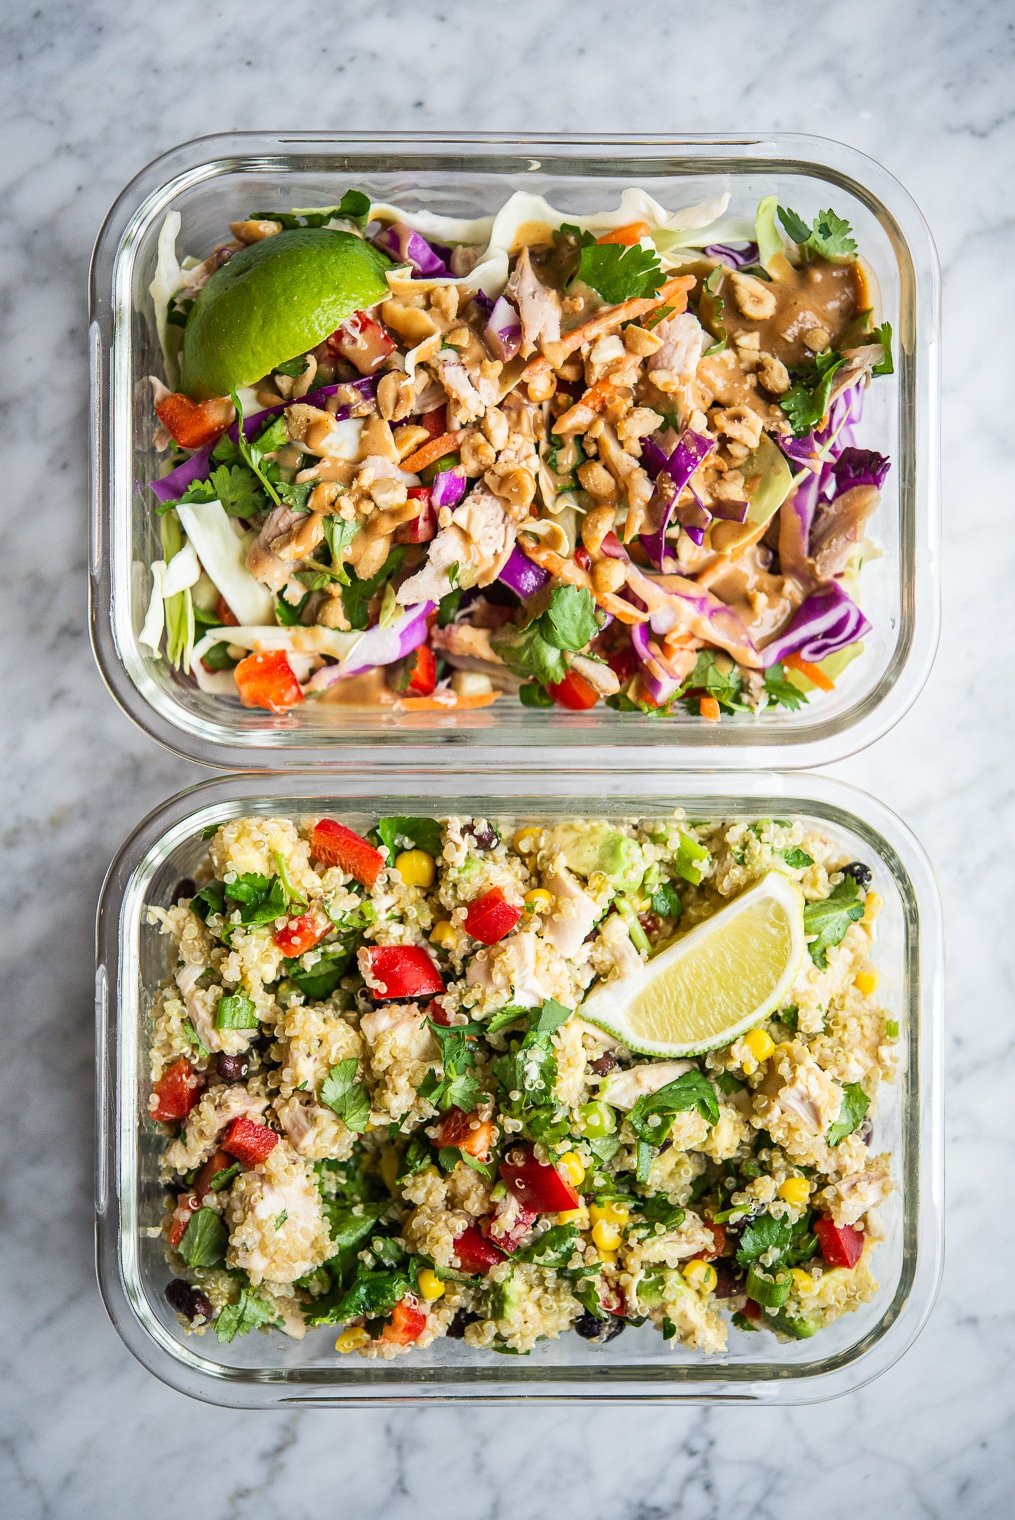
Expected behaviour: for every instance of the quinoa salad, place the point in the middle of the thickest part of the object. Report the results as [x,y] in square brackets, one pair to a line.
[384,1112]
[422,462]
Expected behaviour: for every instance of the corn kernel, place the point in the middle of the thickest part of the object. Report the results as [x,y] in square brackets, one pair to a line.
[444,934]
[760,1043]
[700,1274]
[608,1258]
[539,900]
[389,1169]
[430,1285]
[579,1216]
[351,1339]
[871,908]
[605,1236]
[803,1282]
[571,1165]
[795,1190]
[610,1212]
[416,868]
[526,840]
[866,982]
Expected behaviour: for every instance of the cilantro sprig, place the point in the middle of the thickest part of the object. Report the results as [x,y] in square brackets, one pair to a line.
[567,625]
[346,1096]
[615,271]
[828,237]
[457,1086]
[829,919]
[807,400]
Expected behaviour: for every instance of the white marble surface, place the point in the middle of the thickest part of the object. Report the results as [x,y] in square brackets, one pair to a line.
[92,90]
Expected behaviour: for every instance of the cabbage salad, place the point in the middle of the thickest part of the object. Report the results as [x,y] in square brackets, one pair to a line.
[609,458]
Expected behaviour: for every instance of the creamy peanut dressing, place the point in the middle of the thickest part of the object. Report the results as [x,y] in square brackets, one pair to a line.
[817,297]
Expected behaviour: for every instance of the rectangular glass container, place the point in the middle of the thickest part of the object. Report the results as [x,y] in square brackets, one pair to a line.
[217,179]
[269,1371]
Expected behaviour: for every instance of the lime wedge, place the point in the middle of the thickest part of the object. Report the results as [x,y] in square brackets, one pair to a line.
[717,981]
[274,300]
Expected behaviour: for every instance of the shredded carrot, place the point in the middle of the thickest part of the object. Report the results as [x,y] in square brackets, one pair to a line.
[709,708]
[460,704]
[812,672]
[632,233]
[673,294]
[433,449]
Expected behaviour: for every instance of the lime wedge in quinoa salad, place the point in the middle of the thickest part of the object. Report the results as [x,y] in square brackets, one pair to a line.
[423,462]
[388,1114]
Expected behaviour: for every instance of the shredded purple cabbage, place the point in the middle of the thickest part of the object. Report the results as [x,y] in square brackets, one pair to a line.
[408,246]
[736,258]
[827,621]
[521,576]
[671,477]
[860,467]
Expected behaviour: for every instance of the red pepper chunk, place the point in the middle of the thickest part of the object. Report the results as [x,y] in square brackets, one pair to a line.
[536,1186]
[422,528]
[463,1132]
[574,692]
[335,845]
[841,1244]
[474,1252]
[362,342]
[435,422]
[249,1141]
[510,1239]
[194,423]
[177,1090]
[416,674]
[303,933]
[491,916]
[718,1232]
[403,971]
[186,1206]
[407,1322]
[266,679]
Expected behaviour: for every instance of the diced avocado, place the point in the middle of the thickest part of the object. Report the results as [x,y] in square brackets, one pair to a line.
[769,481]
[505,1298]
[596,846]
[800,1327]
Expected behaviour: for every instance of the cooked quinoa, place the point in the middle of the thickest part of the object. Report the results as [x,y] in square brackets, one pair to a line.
[384,1112]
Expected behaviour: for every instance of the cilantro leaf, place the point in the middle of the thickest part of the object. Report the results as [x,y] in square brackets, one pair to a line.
[253,450]
[554,1248]
[422,833]
[293,367]
[200,1048]
[204,1240]
[261,899]
[338,535]
[529,1067]
[806,401]
[883,335]
[618,272]
[797,860]
[666,900]
[458,1087]
[765,1233]
[781,692]
[238,489]
[372,1294]
[325,974]
[346,1096]
[248,1313]
[569,621]
[526,652]
[350,1227]
[829,919]
[224,1177]
[652,1117]
[354,207]
[718,676]
[357,594]
[855,1104]
[829,236]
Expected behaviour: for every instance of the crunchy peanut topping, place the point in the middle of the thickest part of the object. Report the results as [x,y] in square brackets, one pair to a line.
[254,231]
[753,297]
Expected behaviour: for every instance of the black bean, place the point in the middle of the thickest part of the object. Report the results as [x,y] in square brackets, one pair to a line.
[604,1063]
[188,1301]
[482,833]
[232,1068]
[184,888]
[591,1328]
[729,1280]
[459,1324]
[860,873]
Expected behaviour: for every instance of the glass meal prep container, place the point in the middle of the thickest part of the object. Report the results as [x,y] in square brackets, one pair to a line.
[271,1371]
[217,179]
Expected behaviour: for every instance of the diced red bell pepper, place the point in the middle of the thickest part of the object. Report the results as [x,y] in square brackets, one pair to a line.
[186,1206]
[267,680]
[612,1300]
[303,933]
[536,1186]
[463,1132]
[491,916]
[582,557]
[422,528]
[510,1239]
[225,614]
[362,342]
[574,692]
[416,674]
[177,1090]
[623,662]
[403,971]
[194,423]
[249,1141]
[435,1011]
[435,422]
[220,1161]
[407,1322]
[335,845]
[718,1241]
[750,1309]
[474,1252]
[841,1244]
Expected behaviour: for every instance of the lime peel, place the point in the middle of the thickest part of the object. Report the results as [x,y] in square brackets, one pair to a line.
[715,982]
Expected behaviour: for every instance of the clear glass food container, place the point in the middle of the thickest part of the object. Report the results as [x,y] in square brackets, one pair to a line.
[271,1371]
[217,179]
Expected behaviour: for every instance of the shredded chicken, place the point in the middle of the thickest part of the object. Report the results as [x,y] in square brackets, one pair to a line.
[538,306]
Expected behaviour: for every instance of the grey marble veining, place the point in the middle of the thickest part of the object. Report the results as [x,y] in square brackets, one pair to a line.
[90,92]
